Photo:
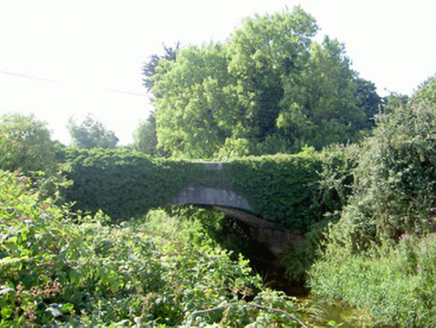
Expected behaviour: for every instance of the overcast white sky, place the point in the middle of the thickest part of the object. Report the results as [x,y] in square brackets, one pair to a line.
[66,58]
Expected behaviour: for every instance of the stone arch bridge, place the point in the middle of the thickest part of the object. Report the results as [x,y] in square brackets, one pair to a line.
[268,193]
[200,195]
[274,236]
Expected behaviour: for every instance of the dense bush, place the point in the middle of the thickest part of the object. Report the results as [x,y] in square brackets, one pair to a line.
[380,255]
[394,181]
[330,193]
[63,270]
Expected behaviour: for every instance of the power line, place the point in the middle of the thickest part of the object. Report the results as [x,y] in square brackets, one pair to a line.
[43,79]
[30,77]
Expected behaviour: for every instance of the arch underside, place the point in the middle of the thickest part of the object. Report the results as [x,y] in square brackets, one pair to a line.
[211,196]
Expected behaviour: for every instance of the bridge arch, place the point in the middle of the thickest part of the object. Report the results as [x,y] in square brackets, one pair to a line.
[211,196]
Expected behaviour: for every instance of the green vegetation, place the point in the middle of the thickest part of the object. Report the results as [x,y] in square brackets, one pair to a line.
[91,134]
[395,284]
[25,144]
[123,183]
[145,139]
[60,269]
[270,88]
[380,255]
[301,192]
[281,188]
[353,175]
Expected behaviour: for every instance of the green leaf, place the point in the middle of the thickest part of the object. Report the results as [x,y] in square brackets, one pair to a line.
[14,260]
[67,307]
[75,278]
[6,313]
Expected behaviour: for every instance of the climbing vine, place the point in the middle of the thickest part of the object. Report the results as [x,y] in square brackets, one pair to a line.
[124,183]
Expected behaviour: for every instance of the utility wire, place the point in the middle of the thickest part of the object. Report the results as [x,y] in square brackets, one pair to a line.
[129,93]
[30,77]
[144,95]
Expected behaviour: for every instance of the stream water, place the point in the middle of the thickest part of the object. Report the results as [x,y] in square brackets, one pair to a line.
[317,311]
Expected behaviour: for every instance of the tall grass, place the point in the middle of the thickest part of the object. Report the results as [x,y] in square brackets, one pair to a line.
[397,285]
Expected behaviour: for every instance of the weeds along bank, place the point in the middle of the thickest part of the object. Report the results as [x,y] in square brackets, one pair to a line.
[396,285]
[64,270]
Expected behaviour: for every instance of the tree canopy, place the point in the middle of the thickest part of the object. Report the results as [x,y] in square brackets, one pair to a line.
[91,134]
[270,88]
[426,93]
[25,144]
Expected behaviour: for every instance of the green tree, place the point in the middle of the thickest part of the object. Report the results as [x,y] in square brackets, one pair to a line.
[320,106]
[149,68]
[426,93]
[91,134]
[270,88]
[191,98]
[369,99]
[264,54]
[145,139]
[25,144]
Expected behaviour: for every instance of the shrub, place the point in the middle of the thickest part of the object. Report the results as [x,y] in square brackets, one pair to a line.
[378,254]
[394,180]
